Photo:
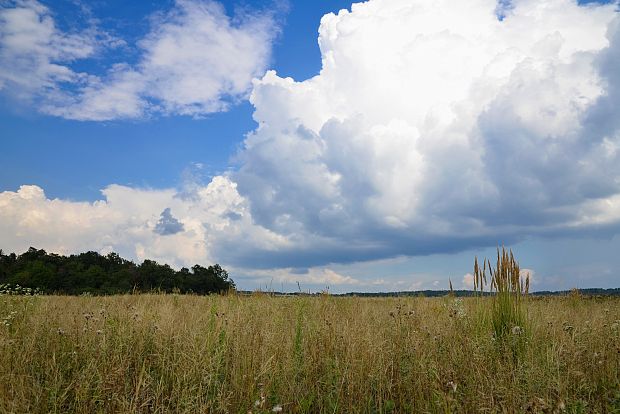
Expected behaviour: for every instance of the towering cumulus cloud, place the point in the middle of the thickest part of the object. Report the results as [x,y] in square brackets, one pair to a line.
[437,125]
[433,126]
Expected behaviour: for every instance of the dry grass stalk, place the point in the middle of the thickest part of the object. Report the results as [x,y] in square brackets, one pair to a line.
[510,291]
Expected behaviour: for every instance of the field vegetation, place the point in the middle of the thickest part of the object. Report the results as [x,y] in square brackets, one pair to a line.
[174,353]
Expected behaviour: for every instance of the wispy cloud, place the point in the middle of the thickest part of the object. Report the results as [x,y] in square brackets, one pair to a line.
[35,56]
[195,60]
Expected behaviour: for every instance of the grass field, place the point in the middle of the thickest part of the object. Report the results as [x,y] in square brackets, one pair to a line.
[241,354]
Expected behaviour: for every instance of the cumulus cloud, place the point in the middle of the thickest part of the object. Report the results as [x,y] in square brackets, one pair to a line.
[195,60]
[468,281]
[436,126]
[525,274]
[130,221]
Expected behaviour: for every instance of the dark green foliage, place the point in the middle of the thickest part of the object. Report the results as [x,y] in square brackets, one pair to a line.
[93,273]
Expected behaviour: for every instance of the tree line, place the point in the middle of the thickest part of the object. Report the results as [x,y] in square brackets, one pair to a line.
[594,292]
[109,274]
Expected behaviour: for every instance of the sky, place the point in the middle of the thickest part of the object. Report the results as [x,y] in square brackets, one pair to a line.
[375,146]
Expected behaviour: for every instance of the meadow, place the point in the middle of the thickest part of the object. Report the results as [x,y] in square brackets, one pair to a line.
[158,353]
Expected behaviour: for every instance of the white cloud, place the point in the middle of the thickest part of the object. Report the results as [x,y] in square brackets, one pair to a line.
[525,274]
[434,126]
[116,97]
[127,221]
[195,60]
[468,281]
[197,56]
[35,56]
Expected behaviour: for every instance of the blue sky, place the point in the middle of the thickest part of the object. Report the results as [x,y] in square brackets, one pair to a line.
[58,154]
[420,135]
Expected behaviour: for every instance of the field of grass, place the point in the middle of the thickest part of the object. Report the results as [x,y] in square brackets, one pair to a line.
[257,353]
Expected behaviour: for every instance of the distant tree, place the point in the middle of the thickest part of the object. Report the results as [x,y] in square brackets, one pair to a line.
[109,274]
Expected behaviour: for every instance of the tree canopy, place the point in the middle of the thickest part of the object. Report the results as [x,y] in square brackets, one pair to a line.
[94,273]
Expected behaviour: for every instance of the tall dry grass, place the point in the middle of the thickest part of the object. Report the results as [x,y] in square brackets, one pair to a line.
[240,354]
[509,289]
